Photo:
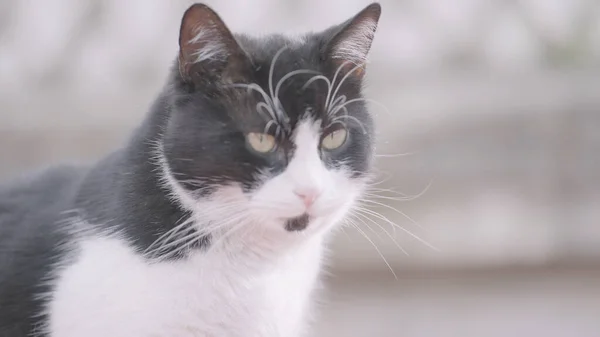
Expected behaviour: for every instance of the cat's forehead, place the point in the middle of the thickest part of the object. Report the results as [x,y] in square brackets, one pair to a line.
[284,52]
[276,61]
[292,81]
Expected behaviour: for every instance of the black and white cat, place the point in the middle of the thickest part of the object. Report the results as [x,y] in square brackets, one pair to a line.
[212,219]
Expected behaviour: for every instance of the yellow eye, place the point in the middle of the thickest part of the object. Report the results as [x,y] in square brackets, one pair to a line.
[261,142]
[334,139]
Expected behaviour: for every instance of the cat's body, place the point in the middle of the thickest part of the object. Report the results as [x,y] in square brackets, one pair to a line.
[207,222]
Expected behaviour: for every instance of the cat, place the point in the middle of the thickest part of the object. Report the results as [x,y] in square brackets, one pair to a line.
[212,219]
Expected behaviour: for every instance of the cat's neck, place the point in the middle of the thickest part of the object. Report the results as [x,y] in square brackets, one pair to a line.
[258,252]
[123,192]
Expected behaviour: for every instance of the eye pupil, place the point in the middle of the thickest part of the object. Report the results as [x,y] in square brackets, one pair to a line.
[261,142]
[334,139]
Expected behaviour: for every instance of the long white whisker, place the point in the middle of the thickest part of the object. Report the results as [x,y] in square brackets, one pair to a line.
[384,180]
[175,243]
[333,120]
[335,110]
[425,189]
[290,74]
[168,234]
[386,197]
[274,99]
[228,233]
[268,126]
[387,190]
[222,223]
[395,155]
[340,100]
[394,210]
[364,223]
[314,78]
[329,97]
[181,248]
[337,88]
[257,88]
[381,217]
[377,249]
[173,233]
[261,106]
[386,232]
[345,222]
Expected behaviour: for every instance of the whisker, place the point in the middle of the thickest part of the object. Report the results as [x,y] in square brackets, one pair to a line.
[387,190]
[364,223]
[386,197]
[290,74]
[337,72]
[176,231]
[224,236]
[393,209]
[336,103]
[386,232]
[341,228]
[314,78]
[268,126]
[261,106]
[344,79]
[382,217]
[278,131]
[377,249]
[368,100]
[352,118]
[383,180]
[395,155]
[274,99]
[192,233]
[168,234]
[180,249]
[217,226]
[425,189]
[257,88]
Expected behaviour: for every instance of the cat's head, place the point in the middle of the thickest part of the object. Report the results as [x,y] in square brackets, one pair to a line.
[272,131]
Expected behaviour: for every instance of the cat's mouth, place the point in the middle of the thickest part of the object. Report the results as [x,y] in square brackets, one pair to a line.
[298,223]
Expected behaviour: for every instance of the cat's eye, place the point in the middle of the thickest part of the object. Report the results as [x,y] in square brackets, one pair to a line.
[334,139]
[261,142]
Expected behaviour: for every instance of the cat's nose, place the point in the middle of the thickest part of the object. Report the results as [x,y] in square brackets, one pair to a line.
[308,196]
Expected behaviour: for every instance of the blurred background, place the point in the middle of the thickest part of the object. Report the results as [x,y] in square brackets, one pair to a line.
[490,151]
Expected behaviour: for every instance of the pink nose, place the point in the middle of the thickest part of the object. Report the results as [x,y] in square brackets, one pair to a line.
[307,196]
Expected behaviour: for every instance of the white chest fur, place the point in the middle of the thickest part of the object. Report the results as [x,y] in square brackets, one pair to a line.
[112,291]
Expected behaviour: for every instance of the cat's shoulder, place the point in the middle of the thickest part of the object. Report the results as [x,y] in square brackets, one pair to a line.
[40,180]
[38,191]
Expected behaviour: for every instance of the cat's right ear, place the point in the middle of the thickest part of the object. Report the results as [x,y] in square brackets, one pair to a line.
[350,45]
[207,49]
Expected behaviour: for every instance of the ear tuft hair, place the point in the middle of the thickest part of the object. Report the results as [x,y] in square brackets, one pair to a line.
[205,41]
[351,44]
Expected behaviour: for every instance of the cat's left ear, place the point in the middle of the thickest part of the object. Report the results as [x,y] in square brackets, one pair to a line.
[207,49]
[350,45]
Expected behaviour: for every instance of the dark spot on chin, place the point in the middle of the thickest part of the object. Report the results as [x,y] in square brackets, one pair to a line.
[297,224]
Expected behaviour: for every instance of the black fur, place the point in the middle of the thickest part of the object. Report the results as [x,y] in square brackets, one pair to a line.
[201,123]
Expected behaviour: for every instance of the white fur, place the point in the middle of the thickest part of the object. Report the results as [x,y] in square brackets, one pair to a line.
[355,47]
[211,46]
[256,281]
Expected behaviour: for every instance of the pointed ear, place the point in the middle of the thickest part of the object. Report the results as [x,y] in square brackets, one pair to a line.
[206,46]
[350,45]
